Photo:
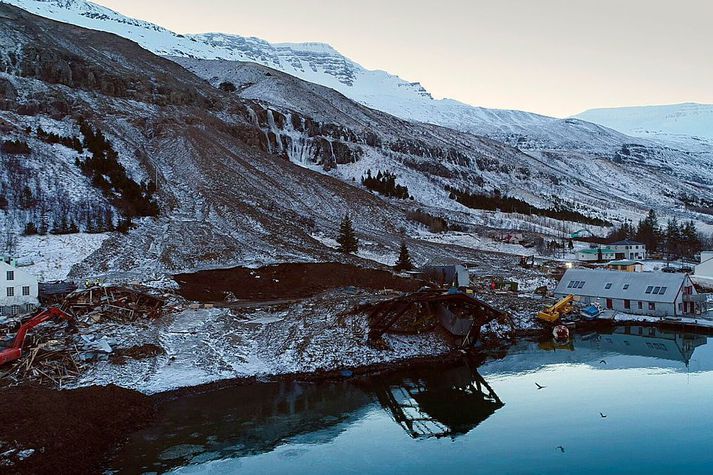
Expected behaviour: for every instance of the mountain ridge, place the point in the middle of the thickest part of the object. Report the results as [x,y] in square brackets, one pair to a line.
[326,66]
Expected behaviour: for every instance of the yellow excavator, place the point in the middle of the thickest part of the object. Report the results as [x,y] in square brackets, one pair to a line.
[557,311]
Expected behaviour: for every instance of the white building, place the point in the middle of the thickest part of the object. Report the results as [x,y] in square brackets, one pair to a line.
[643,293]
[629,249]
[621,250]
[705,268]
[18,289]
[596,254]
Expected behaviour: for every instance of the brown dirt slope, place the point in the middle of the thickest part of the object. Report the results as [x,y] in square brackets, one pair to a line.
[286,281]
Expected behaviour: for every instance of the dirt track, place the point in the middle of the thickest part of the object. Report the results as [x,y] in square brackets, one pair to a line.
[286,281]
[69,431]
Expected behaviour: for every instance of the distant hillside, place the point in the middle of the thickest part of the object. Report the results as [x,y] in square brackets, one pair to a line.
[695,120]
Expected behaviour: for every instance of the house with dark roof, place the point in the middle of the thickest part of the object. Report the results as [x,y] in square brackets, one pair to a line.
[643,293]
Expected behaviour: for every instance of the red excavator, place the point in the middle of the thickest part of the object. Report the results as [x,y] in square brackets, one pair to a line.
[14,350]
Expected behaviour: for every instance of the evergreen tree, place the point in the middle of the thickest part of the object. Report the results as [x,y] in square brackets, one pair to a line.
[348,242]
[44,226]
[404,262]
[673,238]
[648,232]
[690,239]
[125,224]
[30,229]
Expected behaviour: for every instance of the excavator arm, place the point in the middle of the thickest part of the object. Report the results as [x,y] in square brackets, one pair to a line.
[556,311]
[14,351]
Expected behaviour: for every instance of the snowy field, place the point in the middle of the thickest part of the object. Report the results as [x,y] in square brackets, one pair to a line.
[54,255]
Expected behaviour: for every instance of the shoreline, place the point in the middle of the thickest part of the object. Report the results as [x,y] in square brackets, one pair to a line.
[145,406]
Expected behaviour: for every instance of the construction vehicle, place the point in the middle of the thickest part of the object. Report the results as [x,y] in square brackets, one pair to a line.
[528,262]
[14,350]
[557,311]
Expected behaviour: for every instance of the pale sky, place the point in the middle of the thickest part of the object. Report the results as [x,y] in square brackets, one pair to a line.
[555,57]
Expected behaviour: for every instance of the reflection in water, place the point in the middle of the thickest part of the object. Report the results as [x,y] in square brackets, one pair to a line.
[439,404]
[249,420]
[240,421]
[261,424]
[647,341]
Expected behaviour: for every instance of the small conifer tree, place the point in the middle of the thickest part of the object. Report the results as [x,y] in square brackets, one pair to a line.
[404,262]
[348,242]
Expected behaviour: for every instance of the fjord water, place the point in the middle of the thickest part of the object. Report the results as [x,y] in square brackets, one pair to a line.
[633,400]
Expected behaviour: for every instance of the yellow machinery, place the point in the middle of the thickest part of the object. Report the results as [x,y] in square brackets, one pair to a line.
[558,310]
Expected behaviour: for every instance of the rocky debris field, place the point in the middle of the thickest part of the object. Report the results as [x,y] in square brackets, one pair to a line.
[203,344]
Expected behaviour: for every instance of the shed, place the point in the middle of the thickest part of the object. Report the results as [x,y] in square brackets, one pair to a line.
[449,272]
[626,265]
[642,293]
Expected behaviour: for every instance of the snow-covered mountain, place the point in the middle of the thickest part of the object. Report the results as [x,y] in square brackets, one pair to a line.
[688,119]
[263,171]
[321,64]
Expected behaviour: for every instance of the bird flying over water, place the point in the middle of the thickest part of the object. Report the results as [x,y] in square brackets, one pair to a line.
[603,362]
[603,415]
[539,386]
[560,448]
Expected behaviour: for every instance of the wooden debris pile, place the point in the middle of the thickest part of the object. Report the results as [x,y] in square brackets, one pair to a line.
[54,354]
[51,358]
[117,304]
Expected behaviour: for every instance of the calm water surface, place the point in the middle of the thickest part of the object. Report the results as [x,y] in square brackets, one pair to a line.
[655,389]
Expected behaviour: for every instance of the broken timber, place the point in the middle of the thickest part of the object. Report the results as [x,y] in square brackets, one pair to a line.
[461,314]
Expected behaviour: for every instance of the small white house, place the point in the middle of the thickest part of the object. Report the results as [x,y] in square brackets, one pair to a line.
[18,289]
[596,254]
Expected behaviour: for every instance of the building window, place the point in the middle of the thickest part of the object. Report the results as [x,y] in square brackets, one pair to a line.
[26,290]
[641,305]
[11,275]
[571,283]
[627,304]
[649,289]
[11,291]
[656,290]
[663,290]
[626,286]
[608,286]
[652,306]
[581,284]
